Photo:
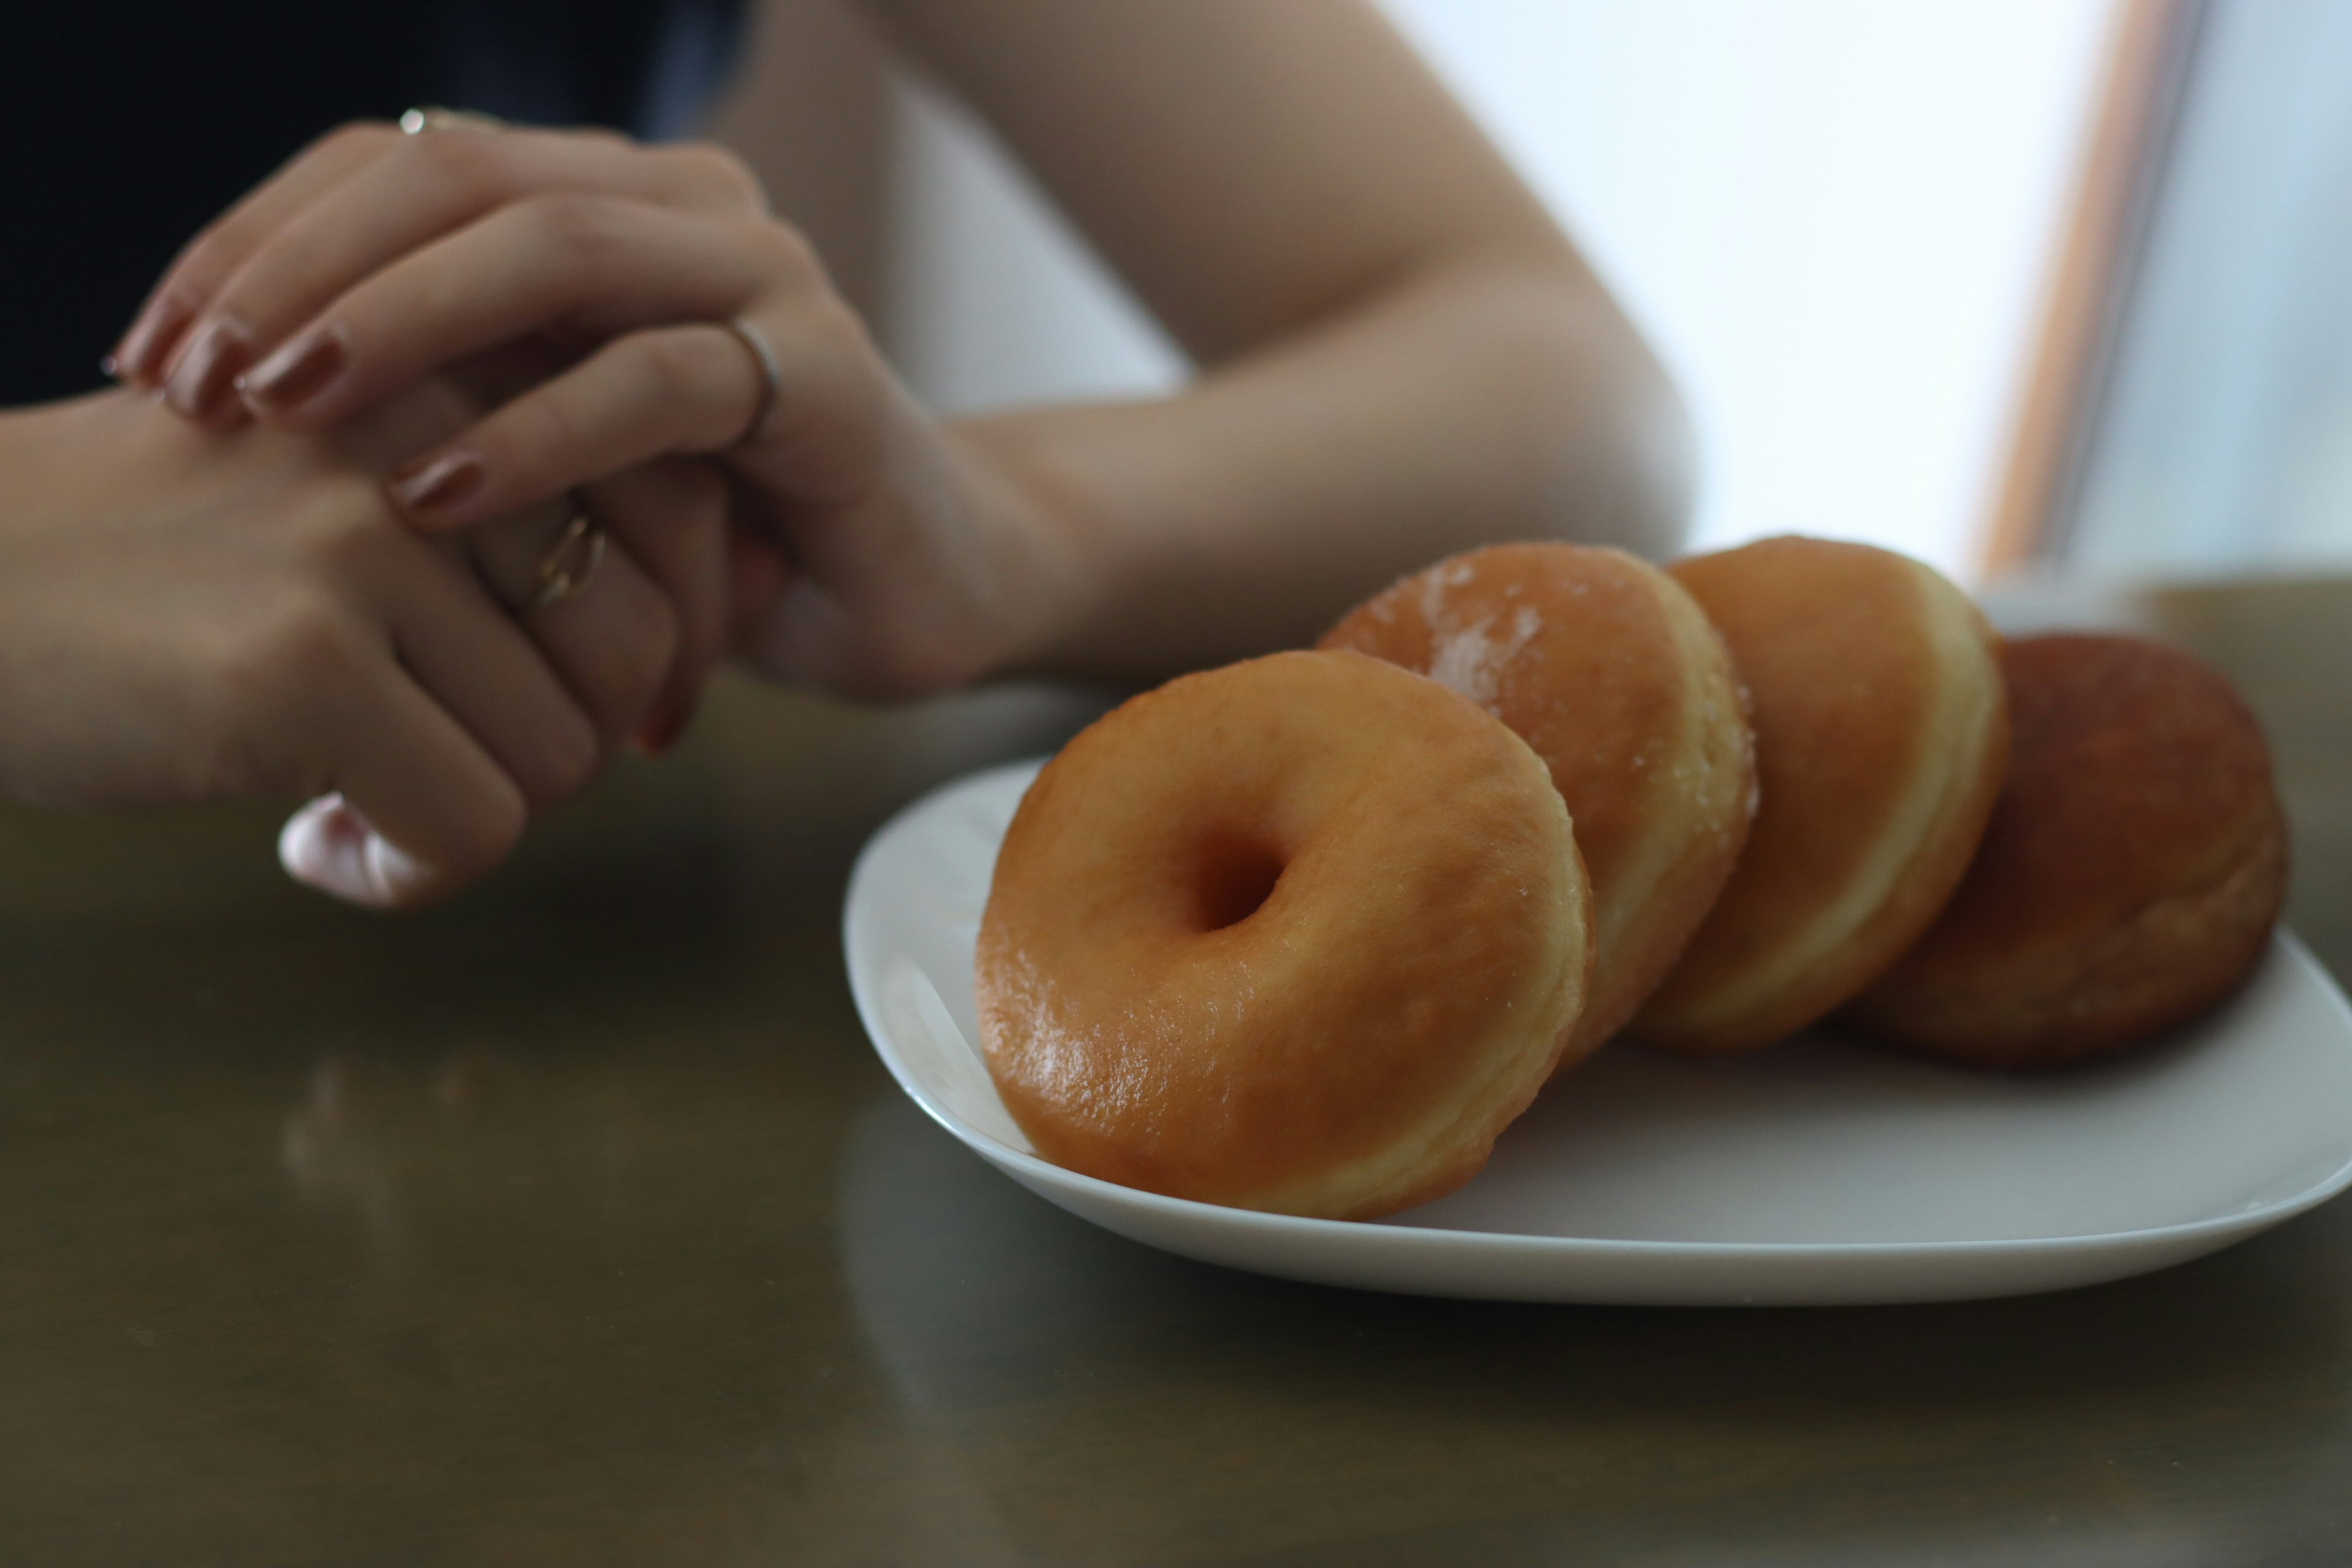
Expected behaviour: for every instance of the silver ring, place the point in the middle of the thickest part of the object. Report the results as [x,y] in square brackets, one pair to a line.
[771,374]
[426,117]
[569,561]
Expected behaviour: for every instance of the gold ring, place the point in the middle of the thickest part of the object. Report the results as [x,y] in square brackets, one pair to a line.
[772,373]
[569,561]
[433,117]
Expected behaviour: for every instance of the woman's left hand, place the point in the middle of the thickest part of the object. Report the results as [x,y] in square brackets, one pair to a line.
[875,554]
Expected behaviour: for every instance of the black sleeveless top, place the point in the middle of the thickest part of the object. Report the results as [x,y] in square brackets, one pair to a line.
[125,125]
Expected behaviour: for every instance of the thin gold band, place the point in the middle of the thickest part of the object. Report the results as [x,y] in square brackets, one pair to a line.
[569,561]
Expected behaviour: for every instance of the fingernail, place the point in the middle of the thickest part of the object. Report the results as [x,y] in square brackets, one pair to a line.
[396,876]
[436,483]
[205,367]
[139,356]
[663,730]
[297,372]
[329,846]
[324,845]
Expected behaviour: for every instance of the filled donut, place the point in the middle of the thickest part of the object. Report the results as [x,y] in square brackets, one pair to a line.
[1300,934]
[2128,880]
[1880,731]
[1617,679]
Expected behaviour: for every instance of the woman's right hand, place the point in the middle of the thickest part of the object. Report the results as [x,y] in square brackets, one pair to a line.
[189,616]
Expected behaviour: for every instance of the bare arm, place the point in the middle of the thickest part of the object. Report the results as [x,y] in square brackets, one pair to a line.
[1402,355]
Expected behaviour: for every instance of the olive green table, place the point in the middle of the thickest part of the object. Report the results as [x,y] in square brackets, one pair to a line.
[576,1223]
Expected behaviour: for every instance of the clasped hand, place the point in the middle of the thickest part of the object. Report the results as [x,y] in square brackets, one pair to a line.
[282,617]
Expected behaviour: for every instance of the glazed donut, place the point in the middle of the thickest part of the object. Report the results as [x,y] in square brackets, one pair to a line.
[1618,680]
[2128,879]
[1880,733]
[1301,934]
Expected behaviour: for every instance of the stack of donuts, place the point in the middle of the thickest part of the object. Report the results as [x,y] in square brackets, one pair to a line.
[1303,934]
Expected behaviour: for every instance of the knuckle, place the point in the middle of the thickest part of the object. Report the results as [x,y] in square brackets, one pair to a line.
[569,220]
[289,259]
[618,672]
[281,663]
[567,755]
[539,431]
[344,543]
[785,250]
[640,641]
[356,137]
[468,164]
[838,429]
[602,136]
[670,366]
[717,173]
[840,332]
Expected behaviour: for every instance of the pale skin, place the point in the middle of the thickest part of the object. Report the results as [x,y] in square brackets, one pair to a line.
[1400,354]
[185,616]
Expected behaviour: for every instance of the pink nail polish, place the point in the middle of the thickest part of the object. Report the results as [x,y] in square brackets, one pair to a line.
[139,358]
[297,372]
[436,483]
[205,368]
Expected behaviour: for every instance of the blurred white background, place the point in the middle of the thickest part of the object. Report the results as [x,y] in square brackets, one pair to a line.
[1834,217]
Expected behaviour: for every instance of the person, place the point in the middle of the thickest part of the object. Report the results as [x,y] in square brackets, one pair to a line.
[1399,355]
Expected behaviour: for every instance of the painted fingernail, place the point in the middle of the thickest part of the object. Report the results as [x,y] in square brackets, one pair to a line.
[438,483]
[203,371]
[329,846]
[324,845]
[395,875]
[663,730]
[139,357]
[297,372]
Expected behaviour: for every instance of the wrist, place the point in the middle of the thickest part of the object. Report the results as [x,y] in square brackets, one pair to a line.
[1042,535]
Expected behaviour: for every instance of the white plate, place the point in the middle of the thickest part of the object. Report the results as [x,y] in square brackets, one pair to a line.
[1817,1173]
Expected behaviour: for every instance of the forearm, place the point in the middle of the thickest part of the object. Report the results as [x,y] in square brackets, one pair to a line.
[1468,405]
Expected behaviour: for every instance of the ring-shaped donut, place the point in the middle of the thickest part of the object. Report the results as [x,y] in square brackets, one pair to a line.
[1301,934]
[1615,676]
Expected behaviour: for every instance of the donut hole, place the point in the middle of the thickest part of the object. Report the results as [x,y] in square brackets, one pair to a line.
[1236,876]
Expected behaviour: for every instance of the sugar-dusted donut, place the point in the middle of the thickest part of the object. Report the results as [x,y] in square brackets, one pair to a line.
[1880,728]
[1617,679]
[1300,934]
[2128,879]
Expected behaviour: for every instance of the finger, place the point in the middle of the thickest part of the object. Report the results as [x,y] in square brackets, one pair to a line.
[647,395]
[419,189]
[758,573]
[612,643]
[590,266]
[670,517]
[419,807]
[470,656]
[208,261]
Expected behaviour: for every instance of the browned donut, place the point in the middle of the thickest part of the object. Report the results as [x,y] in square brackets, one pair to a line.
[2129,877]
[1621,685]
[1300,934]
[1880,731]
